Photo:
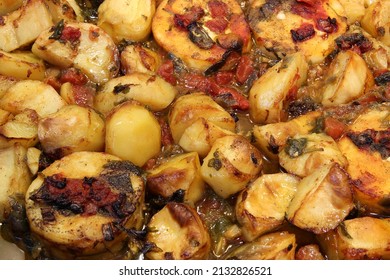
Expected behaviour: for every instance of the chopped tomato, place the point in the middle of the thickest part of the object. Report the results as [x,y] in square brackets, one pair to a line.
[166,71]
[244,69]
[334,128]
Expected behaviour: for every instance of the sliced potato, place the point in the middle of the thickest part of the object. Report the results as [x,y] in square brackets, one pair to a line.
[150,90]
[132,133]
[303,154]
[15,177]
[127,19]
[100,196]
[22,65]
[187,109]
[21,128]
[273,25]
[231,164]
[309,252]
[268,94]
[348,78]
[137,58]
[354,10]
[376,21]
[178,233]
[322,200]
[364,146]
[34,95]
[261,207]
[5,83]
[84,46]
[181,172]
[22,26]
[358,239]
[272,246]
[200,136]
[33,156]
[197,44]
[271,138]
[64,9]
[71,129]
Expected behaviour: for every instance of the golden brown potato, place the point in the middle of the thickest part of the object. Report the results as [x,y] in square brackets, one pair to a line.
[132,133]
[261,207]
[196,42]
[376,21]
[80,205]
[5,83]
[181,172]
[272,246]
[150,90]
[82,45]
[34,95]
[21,128]
[7,6]
[33,156]
[269,93]
[200,136]
[303,154]
[309,252]
[15,177]
[271,138]
[285,27]
[231,164]
[348,79]
[22,26]
[127,19]
[322,201]
[364,146]
[178,233]
[189,108]
[71,129]
[64,9]
[137,58]
[358,239]
[22,65]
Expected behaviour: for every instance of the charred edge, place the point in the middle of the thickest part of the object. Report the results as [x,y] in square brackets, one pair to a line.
[383,79]
[180,213]
[57,30]
[347,41]
[375,141]
[198,35]
[218,65]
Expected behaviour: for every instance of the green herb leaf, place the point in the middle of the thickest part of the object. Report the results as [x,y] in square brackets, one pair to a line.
[57,30]
[295,147]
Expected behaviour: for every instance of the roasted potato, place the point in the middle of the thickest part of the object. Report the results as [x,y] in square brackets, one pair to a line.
[348,79]
[132,133]
[179,173]
[127,19]
[231,164]
[150,90]
[189,108]
[7,6]
[376,21]
[178,233]
[64,9]
[268,94]
[84,46]
[71,129]
[309,252]
[322,201]
[303,154]
[22,65]
[261,206]
[22,26]
[272,246]
[286,27]
[271,138]
[364,146]
[137,58]
[186,28]
[200,136]
[34,95]
[15,177]
[82,204]
[358,239]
